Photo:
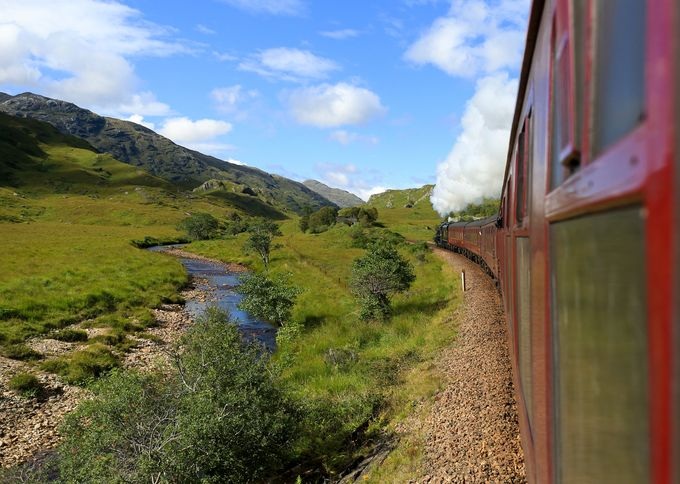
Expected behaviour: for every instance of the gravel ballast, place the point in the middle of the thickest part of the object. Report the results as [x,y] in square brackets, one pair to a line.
[472,433]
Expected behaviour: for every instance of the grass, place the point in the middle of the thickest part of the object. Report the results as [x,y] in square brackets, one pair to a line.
[70,335]
[25,384]
[350,374]
[82,366]
[57,275]
[21,352]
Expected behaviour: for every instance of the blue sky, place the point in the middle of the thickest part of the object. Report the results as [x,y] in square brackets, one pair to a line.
[360,95]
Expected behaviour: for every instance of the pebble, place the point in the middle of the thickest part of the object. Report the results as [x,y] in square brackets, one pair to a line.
[472,431]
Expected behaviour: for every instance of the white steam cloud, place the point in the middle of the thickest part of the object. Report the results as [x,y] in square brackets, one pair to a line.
[475,166]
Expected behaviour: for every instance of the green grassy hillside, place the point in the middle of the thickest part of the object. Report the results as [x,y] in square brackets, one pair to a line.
[408,212]
[141,147]
[67,216]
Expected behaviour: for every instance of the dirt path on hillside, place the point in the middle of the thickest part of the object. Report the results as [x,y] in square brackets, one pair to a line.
[472,432]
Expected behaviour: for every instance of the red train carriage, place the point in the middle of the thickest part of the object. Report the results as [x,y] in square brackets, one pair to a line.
[587,253]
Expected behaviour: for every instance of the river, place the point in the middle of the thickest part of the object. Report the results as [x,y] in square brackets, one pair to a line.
[217,280]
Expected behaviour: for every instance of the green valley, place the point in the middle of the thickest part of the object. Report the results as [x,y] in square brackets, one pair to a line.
[68,215]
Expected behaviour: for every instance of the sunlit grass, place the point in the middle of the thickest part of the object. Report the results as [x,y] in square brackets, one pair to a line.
[55,275]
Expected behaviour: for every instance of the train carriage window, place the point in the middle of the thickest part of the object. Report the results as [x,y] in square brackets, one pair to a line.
[523,285]
[600,348]
[564,157]
[619,70]
[524,147]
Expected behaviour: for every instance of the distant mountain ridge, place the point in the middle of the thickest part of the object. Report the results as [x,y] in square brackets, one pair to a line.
[139,146]
[342,198]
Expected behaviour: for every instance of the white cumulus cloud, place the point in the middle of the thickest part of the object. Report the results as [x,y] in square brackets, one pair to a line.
[475,166]
[185,130]
[273,7]
[340,34]
[348,137]
[79,50]
[334,105]
[289,64]
[229,98]
[138,119]
[476,37]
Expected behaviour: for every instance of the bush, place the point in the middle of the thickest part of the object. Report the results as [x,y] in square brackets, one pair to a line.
[322,219]
[25,384]
[148,241]
[200,226]
[124,433]
[70,335]
[366,216]
[377,275]
[271,299]
[420,251]
[20,352]
[217,416]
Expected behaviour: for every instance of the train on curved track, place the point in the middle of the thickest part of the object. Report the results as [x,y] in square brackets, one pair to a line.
[586,246]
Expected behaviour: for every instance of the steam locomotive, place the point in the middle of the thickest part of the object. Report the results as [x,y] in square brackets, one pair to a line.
[586,246]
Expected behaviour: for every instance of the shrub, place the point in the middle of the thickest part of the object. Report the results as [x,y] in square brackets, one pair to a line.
[25,384]
[420,251]
[217,416]
[366,216]
[268,298]
[20,352]
[70,335]
[200,226]
[377,275]
[304,223]
[236,424]
[148,241]
[124,434]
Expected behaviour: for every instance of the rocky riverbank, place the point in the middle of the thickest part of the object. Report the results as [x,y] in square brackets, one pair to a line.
[29,425]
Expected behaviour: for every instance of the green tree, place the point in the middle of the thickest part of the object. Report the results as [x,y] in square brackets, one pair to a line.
[261,234]
[376,276]
[322,219]
[268,298]
[366,216]
[200,226]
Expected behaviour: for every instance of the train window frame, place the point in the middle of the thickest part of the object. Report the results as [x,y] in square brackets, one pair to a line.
[564,160]
[524,161]
[595,150]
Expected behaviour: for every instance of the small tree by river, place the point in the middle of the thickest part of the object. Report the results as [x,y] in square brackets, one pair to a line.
[260,236]
[268,298]
[376,276]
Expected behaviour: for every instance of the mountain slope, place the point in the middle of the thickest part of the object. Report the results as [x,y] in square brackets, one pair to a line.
[139,146]
[341,198]
[46,175]
[406,198]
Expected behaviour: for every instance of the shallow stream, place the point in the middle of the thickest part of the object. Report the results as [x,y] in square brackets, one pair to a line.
[220,283]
